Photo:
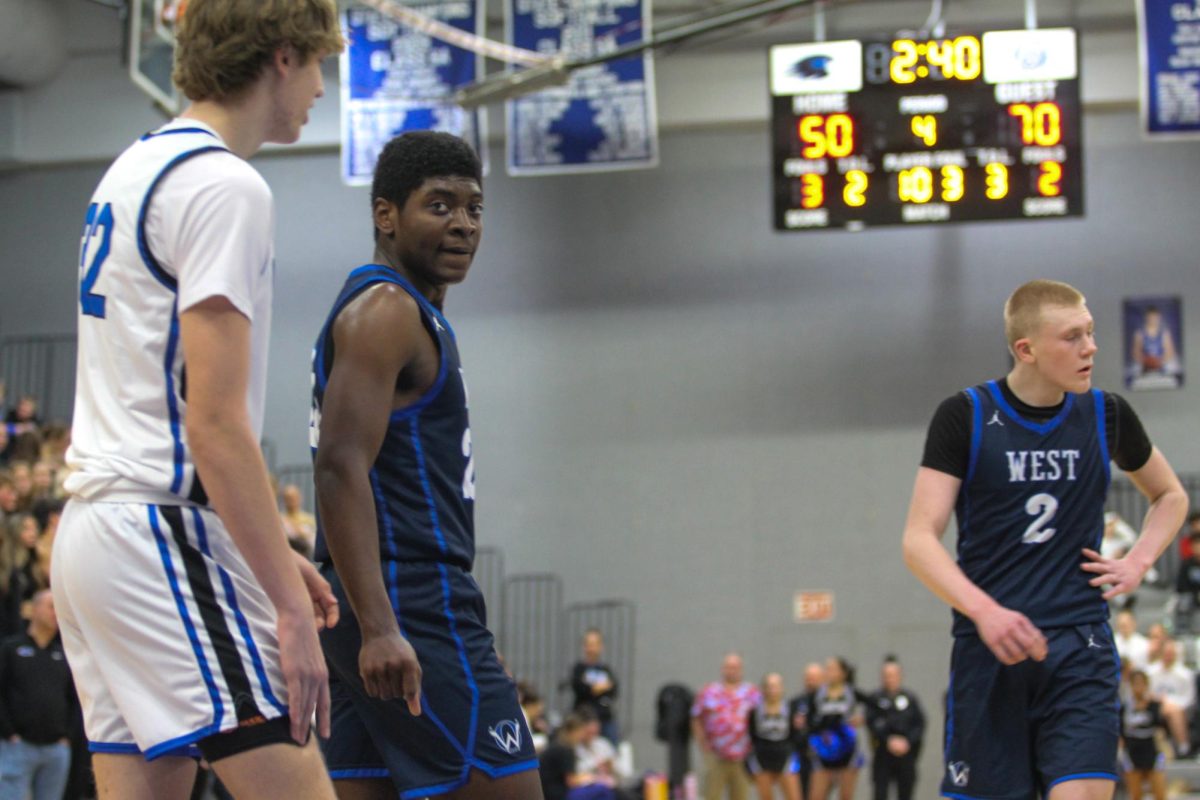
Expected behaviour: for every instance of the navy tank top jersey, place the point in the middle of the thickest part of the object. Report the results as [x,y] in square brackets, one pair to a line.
[423,479]
[1032,499]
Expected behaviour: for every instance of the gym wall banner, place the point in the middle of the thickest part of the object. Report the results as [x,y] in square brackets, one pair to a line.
[1169,50]
[1153,340]
[395,78]
[605,117]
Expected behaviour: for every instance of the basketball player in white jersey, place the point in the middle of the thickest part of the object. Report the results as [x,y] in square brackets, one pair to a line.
[187,621]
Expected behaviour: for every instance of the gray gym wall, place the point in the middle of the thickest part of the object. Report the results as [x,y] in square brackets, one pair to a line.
[671,402]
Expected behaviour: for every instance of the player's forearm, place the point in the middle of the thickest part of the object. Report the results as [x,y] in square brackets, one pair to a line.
[227,458]
[348,515]
[933,565]
[1163,520]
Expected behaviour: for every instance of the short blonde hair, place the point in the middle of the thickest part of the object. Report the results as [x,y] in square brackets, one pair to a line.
[1023,309]
[222,46]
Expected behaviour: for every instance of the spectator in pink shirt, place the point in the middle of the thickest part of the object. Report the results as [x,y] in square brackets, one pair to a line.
[719,724]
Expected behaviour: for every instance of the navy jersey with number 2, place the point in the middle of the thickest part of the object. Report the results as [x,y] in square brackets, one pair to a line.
[1032,499]
[424,477]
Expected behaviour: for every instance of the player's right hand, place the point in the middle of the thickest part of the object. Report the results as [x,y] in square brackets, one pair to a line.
[389,669]
[1010,635]
[305,672]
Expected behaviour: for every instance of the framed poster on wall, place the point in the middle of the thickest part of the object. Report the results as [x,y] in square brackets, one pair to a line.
[1153,342]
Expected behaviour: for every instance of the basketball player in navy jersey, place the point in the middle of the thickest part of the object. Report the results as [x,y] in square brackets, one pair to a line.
[421,704]
[1024,462]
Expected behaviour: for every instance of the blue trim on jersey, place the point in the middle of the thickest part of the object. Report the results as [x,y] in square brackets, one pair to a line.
[521,766]
[113,747]
[172,404]
[442,788]
[954,796]
[165,553]
[462,657]
[425,708]
[1102,430]
[143,246]
[1083,776]
[1116,657]
[156,134]
[1043,427]
[415,428]
[347,774]
[168,747]
[243,625]
[976,431]
[381,514]
[949,714]
[187,751]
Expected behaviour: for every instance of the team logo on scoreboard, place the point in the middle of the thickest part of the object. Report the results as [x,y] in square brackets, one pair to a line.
[811,67]
[1046,54]
[816,67]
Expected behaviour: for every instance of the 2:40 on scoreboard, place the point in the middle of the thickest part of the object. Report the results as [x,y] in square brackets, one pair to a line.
[912,130]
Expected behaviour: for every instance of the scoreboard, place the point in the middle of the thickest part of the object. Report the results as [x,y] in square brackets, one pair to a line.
[909,130]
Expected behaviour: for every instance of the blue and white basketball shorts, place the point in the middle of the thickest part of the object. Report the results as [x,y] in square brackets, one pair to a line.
[470,717]
[169,636]
[1014,732]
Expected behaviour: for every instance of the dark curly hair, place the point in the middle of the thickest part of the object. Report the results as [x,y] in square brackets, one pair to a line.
[412,158]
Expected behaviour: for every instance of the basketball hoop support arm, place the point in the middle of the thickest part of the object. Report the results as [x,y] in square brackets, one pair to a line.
[507,85]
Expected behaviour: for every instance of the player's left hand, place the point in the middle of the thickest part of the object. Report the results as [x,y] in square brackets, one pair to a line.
[1121,575]
[325,605]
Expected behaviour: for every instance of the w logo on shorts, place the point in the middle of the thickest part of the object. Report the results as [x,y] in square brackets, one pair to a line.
[507,736]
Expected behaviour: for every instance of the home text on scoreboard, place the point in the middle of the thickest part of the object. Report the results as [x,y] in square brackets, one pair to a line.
[907,131]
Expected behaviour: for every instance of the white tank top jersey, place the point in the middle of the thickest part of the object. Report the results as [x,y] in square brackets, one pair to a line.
[176,220]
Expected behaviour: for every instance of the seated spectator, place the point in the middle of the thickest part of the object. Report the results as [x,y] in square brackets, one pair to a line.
[561,777]
[5,441]
[42,479]
[25,412]
[1132,646]
[595,684]
[25,571]
[1156,636]
[56,438]
[1187,588]
[535,714]
[22,478]
[1175,685]
[595,754]
[8,496]
[1185,538]
[299,525]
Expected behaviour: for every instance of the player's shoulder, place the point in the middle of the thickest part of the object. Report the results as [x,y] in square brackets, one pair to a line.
[383,308]
[220,174]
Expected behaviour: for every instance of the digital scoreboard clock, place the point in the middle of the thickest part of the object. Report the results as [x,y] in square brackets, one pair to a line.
[908,131]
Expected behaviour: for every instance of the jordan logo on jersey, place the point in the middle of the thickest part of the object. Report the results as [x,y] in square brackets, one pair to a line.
[507,735]
[1040,465]
[995,420]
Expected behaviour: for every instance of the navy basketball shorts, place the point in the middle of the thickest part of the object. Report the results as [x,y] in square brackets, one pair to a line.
[1014,732]
[470,717]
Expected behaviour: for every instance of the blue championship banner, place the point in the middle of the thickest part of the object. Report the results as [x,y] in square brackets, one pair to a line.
[396,79]
[1170,75]
[605,117]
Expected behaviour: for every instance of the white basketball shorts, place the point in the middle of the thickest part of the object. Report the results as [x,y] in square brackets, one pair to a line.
[169,637]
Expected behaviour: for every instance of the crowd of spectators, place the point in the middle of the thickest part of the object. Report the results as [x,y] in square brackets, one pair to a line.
[814,744]
[32,667]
